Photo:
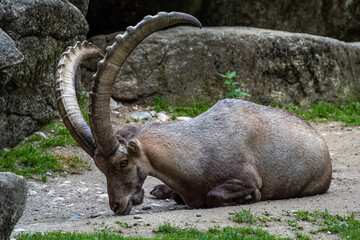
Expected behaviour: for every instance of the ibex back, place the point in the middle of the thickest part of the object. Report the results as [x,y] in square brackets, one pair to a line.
[236,152]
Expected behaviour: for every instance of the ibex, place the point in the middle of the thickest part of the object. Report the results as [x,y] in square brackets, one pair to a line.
[236,152]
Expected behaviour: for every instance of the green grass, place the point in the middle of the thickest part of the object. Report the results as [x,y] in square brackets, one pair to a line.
[245,216]
[165,231]
[346,227]
[196,108]
[27,160]
[60,136]
[349,114]
[72,236]
[32,158]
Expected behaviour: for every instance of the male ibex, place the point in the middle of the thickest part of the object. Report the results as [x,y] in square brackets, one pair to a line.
[236,152]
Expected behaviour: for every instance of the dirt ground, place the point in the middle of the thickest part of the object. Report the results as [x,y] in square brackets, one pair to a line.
[79,203]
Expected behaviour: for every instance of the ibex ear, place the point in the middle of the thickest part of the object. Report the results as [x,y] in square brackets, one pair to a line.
[134,146]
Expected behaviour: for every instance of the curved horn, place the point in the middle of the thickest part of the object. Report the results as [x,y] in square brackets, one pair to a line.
[66,95]
[109,68]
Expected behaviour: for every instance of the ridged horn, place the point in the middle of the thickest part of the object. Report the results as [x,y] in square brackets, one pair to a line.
[109,67]
[66,95]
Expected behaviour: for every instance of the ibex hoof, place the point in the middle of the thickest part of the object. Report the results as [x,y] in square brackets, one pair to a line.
[254,197]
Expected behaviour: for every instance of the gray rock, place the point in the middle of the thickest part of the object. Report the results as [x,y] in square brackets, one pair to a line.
[141,116]
[335,18]
[32,193]
[58,200]
[41,134]
[114,105]
[162,117]
[75,217]
[41,31]
[82,5]
[9,54]
[13,192]
[280,67]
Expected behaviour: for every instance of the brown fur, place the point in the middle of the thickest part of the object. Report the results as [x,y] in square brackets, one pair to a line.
[236,152]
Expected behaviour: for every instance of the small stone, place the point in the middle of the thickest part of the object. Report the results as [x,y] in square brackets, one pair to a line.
[162,117]
[183,118]
[137,217]
[146,207]
[141,116]
[51,192]
[98,214]
[83,190]
[153,113]
[76,217]
[59,199]
[32,193]
[102,197]
[41,134]
[48,174]
[105,195]
[198,214]
[64,185]
[19,230]
[114,105]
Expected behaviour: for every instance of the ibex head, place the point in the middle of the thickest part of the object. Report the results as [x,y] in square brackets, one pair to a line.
[121,159]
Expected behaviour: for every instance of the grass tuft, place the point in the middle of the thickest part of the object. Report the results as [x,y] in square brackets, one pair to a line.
[324,112]
[348,114]
[197,107]
[245,216]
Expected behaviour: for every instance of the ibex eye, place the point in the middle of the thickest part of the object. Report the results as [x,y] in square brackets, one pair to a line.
[124,163]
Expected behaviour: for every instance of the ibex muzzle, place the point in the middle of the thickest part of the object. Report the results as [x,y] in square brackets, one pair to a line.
[236,152]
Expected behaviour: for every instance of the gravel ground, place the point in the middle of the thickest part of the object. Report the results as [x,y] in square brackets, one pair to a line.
[80,203]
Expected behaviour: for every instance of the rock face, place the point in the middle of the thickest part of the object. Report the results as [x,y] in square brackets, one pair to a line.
[338,19]
[13,192]
[9,54]
[183,63]
[82,5]
[37,32]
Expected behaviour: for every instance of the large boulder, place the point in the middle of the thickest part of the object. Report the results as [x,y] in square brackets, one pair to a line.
[82,5]
[338,19]
[37,32]
[183,63]
[13,192]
